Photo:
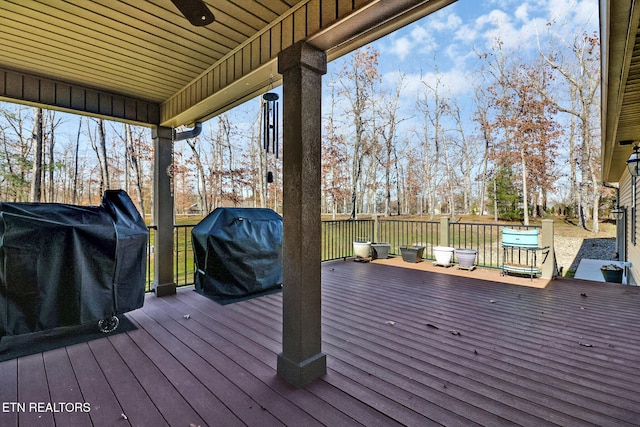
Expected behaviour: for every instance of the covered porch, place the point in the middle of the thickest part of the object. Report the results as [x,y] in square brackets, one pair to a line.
[403,346]
[145,63]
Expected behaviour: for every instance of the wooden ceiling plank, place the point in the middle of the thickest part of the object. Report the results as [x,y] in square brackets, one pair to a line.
[277,7]
[73,59]
[159,23]
[246,12]
[49,27]
[129,32]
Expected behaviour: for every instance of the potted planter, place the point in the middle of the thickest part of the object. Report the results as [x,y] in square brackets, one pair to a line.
[412,253]
[466,258]
[362,249]
[380,250]
[612,273]
[443,254]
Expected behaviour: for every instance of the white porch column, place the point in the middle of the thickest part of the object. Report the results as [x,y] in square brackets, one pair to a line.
[163,207]
[301,360]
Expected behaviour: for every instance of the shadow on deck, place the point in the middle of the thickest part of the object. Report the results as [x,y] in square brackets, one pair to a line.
[404,346]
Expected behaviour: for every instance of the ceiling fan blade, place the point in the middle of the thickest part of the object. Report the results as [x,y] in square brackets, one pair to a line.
[195,11]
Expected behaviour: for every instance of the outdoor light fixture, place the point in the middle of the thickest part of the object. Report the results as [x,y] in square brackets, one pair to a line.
[634,162]
[618,213]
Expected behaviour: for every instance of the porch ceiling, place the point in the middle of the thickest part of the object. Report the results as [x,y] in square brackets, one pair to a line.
[143,62]
[619,22]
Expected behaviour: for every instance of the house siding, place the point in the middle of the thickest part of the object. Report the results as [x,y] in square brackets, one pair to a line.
[632,250]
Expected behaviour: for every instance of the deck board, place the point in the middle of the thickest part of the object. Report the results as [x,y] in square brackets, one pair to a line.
[174,407]
[105,408]
[534,355]
[199,388]
[455,360]
[236,364]
[137,406]
[33,388]
[515,341]
[66,389]
[8,392]
[243,336]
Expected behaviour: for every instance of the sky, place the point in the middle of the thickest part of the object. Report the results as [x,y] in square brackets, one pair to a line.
[452,37]
[445,45]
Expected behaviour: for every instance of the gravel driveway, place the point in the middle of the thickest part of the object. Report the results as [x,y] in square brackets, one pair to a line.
[570,250]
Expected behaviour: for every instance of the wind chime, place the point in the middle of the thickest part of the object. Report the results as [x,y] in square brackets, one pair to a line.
[270,126]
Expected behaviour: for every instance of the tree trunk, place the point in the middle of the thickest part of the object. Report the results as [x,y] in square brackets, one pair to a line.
[75,164]
[52,126]
[525,195]
[134,160]
[102,156]
[38,140]
[202,183]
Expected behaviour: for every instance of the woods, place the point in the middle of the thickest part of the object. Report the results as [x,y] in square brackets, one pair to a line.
[523,145]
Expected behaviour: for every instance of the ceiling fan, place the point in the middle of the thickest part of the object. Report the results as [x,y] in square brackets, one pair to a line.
[196,12]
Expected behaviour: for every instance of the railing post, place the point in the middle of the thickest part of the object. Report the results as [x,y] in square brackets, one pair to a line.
[549,265]
[376,224]
[444,231]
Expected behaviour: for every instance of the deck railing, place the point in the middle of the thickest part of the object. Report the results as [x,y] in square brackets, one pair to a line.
[338,237]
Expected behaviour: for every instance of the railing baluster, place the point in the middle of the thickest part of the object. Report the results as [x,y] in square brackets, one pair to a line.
[338,235]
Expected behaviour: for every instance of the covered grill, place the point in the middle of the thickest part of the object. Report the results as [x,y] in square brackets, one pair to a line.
[238,253]
[66,265]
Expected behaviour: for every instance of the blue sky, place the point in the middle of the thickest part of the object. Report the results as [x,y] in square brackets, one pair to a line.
[453,35]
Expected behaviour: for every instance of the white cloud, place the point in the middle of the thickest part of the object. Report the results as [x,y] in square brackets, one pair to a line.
[445,21]
[418,41]
[401,47]
[466,33]
[450,83]
[573,12]
[522,12]
[422,38]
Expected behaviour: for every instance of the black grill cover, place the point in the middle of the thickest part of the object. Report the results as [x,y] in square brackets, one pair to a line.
[65,265]
[238,252]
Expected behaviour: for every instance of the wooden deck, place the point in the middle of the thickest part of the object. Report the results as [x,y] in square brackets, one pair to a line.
[404,347]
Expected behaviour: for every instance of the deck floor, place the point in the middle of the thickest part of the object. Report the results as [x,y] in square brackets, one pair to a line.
[404,347]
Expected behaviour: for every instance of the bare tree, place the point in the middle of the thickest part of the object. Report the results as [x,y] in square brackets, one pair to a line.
[358,79]
[201,182]
[17,142]
[467,158]
[434,107]
[100,148]
[388,131]
[38,141]
[335,181]
[75,164]
[483,121]
[134,159]
[581,71]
